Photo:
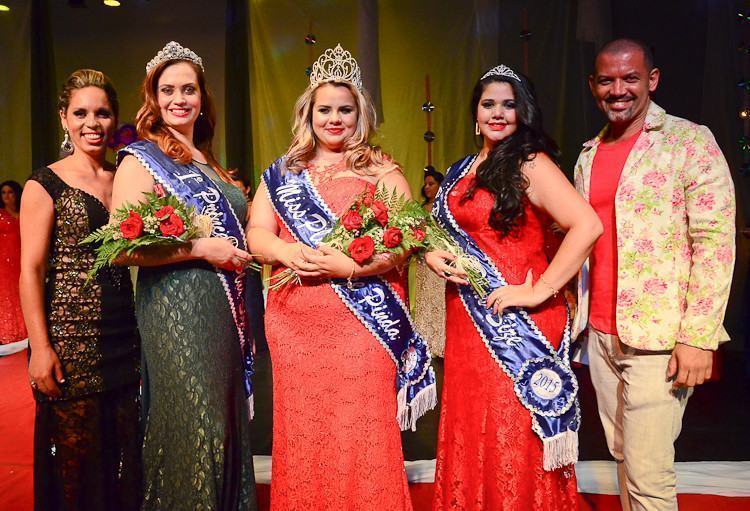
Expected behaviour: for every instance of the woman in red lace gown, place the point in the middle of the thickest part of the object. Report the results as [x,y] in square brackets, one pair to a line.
[489,458]
[336,440]
[12,327]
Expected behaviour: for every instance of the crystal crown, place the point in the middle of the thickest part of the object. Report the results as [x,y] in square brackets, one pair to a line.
[174,51]
[501,70]
[336,65]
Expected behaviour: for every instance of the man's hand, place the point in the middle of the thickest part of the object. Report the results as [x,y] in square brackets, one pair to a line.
[689,366]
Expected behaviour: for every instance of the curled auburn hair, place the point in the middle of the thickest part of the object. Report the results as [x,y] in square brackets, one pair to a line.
[359,154]
[501,173]
[150,125]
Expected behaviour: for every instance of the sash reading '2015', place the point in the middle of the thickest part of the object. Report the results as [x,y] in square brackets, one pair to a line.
[543,380]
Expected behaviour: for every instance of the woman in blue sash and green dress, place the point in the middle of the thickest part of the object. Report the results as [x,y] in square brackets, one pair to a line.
[509,413]
[189,301]
[348,367]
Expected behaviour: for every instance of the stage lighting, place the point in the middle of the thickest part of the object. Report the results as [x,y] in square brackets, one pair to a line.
[111,3]
[4,8]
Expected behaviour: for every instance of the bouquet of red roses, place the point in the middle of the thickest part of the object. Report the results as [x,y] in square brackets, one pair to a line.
[375,225]
[388,223]
[160,219]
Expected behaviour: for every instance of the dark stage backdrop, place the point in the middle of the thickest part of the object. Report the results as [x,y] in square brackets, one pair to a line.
[255,56]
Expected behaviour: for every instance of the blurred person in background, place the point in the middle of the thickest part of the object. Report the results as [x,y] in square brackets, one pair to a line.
[12,328]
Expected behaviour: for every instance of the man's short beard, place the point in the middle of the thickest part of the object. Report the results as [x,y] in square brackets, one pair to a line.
[622,116]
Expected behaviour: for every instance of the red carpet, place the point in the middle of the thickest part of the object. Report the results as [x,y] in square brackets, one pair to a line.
[16,453]
[16,434]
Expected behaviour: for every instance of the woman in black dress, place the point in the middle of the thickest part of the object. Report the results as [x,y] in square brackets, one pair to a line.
[85,350]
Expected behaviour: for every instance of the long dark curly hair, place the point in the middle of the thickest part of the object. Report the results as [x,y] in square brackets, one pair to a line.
[434,174]
[501,172]
[17,191]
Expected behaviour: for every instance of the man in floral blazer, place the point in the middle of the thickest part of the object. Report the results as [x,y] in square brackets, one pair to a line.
[654,291]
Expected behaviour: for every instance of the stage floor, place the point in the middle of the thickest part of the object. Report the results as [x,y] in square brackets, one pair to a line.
[702,485]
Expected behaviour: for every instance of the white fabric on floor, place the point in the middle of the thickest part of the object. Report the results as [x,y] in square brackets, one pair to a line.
[726,478]
[13,347]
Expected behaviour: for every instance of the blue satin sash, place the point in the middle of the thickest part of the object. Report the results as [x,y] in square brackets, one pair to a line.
[192,186]
[543,379]
[371,299]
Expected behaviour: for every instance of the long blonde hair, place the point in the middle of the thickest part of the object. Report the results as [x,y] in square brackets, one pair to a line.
[359,154]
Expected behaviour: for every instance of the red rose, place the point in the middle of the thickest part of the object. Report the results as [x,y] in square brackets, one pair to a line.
[367,198]
[381,212]
[132,226]
[164,212]
[392,237]
[361,249]
[351,220]
[419,234]
[172,226]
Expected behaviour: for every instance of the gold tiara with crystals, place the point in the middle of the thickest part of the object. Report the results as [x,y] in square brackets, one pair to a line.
[174,51]
[336,65]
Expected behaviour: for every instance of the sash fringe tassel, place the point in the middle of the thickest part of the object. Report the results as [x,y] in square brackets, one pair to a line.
[560,450]
[422,403]
[251,406]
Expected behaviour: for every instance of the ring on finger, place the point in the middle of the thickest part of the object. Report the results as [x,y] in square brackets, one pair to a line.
[447,274]
[33,384]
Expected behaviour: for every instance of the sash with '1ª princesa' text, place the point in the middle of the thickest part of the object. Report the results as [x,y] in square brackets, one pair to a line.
[194,188]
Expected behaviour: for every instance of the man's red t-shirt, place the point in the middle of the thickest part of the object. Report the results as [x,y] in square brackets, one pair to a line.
[606,169]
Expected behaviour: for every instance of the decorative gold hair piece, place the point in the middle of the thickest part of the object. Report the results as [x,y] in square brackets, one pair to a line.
[174,51]
[336,65]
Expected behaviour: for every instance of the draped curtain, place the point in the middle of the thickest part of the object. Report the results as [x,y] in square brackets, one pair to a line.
[15,93]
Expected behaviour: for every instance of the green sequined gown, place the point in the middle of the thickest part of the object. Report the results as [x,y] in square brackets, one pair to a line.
[196,452]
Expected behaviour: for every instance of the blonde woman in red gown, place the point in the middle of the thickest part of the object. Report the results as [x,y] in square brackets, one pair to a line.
[336,440]
[504,199]
[12,327]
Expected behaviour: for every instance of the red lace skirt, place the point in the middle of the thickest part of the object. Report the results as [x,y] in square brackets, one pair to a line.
[336,441]
[488,456]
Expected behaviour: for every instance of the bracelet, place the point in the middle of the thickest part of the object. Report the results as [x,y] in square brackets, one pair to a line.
[544,281]
[351,276]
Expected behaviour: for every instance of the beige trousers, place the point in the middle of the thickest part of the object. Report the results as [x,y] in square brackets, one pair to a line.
[642,418]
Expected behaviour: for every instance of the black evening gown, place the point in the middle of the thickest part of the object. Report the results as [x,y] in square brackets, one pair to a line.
[87,443]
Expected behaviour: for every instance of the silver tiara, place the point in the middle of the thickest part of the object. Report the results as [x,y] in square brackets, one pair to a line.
[174,51]
[336,65]
[501,70]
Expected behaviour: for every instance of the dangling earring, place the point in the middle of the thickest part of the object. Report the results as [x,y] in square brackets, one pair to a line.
[67,145]
[476,128]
